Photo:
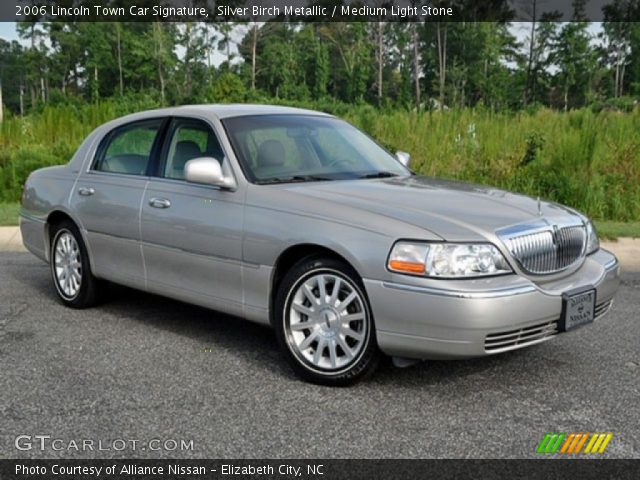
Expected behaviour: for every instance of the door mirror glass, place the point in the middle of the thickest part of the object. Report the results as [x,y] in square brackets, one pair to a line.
[207,170]
[404,158]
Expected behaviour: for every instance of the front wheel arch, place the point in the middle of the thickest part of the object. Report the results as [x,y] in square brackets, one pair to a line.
[290,257]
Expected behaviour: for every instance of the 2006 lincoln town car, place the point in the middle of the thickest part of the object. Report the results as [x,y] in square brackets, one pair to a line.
[296,219]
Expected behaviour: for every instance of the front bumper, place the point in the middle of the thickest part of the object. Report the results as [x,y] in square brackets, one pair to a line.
[441,319]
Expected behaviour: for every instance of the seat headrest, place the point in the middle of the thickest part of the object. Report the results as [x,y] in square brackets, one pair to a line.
[270,154]
[185,150]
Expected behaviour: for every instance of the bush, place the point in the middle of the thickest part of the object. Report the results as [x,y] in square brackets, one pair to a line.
[620,104]
[534,143]
[15,168]
[227,88]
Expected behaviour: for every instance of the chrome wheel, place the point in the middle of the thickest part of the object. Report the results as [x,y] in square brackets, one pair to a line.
[326,322]
[67,264]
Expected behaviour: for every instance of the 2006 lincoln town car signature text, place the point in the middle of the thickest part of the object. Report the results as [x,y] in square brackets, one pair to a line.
[296,219]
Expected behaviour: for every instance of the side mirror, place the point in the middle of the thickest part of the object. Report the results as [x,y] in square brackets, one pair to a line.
[404,158]
[207,170]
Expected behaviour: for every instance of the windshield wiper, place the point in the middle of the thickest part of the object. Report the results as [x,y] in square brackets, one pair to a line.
[383,174]
[292,179]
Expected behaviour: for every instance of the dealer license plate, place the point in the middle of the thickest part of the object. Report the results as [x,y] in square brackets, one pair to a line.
[578,310]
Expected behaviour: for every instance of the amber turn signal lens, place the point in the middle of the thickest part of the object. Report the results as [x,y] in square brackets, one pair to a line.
[409,267]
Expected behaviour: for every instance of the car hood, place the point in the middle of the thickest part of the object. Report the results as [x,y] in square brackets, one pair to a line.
[451,210]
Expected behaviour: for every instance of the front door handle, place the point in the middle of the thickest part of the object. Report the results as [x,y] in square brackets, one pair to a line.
[86,191]
[156,202]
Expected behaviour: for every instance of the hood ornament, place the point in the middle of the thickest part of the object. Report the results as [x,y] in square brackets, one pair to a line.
[539,207]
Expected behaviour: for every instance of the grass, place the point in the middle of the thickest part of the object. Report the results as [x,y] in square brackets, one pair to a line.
[608,230]
[9,213]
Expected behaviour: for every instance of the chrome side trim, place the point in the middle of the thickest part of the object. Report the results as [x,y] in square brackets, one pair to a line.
[31,218]
[111,235]
[200,254]
[423,338]
[494,293]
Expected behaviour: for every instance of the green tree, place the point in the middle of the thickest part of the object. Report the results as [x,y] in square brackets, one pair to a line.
[352,54]
[98,57]
[11,69]
[576,61]
[35,60]
[622,37]
[540,45]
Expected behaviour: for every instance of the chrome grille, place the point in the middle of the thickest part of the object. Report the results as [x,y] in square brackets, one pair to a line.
[549,249]
[522,337]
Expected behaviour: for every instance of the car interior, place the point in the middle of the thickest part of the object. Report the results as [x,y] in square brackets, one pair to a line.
[189,142]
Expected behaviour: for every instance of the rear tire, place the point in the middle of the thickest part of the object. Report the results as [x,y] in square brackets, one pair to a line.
[324,324]
[70,269]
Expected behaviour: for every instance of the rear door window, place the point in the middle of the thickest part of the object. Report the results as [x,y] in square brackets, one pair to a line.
[127,149]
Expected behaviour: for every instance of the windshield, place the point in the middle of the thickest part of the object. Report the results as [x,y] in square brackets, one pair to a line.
[291,148]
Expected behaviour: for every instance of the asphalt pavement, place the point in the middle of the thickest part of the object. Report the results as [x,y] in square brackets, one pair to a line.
[141,368]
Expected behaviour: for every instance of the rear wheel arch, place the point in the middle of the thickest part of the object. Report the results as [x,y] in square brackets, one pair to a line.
[58,216]
[55,218]
[75,284]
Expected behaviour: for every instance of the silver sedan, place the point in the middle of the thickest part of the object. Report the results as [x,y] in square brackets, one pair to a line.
[296,219]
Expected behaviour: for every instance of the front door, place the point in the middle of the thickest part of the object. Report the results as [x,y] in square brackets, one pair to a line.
[192,234]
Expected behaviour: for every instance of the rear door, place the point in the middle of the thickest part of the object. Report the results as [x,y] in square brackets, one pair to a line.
[191,233]
[107,199]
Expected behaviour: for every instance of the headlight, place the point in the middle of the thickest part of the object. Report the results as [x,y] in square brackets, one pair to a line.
[447,260]
[593,243]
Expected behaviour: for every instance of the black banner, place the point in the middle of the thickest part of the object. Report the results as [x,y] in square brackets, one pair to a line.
[319,10]
[316,469]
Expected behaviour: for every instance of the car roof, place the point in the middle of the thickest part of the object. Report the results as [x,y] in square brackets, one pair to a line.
[241,109]
[221,111]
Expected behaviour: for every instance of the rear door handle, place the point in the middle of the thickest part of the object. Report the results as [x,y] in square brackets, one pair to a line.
[156,202]
[86,191]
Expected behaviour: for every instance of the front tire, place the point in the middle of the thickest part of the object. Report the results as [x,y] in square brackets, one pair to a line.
[324,324]
[74,283]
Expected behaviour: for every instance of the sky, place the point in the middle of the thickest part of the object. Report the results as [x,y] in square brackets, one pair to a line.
[8,31]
